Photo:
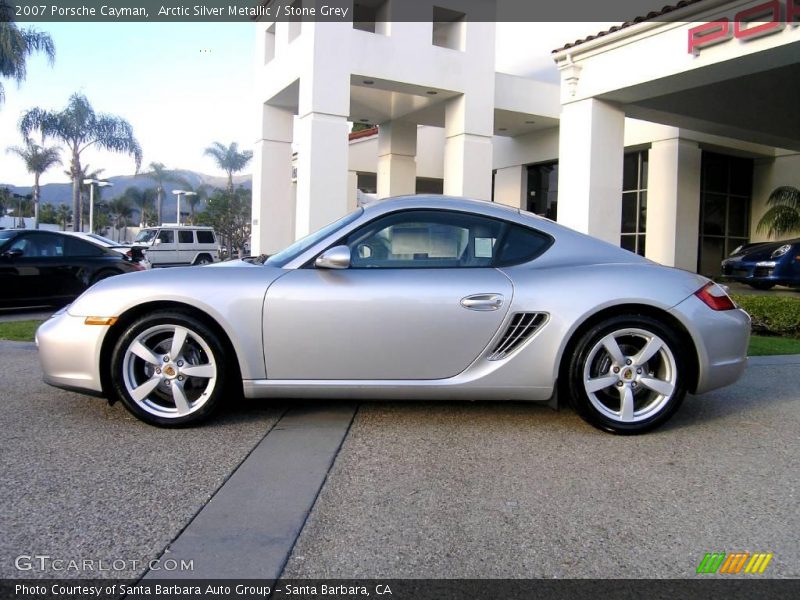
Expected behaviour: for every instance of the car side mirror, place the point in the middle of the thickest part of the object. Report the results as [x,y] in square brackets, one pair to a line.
[156,241]
[337,257]
[12,254]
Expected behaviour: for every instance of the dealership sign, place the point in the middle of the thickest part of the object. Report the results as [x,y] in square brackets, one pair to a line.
[748,24]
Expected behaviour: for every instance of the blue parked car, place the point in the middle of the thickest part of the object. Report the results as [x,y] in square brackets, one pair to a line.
[765,264]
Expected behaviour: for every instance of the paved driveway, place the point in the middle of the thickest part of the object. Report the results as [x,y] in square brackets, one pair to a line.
[420,489]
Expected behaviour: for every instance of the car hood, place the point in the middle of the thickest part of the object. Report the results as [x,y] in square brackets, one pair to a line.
[762,251]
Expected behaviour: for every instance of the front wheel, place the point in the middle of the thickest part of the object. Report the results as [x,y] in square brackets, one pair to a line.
[626,375]
[761,285]
[167,369]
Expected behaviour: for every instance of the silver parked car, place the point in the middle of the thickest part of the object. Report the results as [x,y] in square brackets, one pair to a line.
[417,297]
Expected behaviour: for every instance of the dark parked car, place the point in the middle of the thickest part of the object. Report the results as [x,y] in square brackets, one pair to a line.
[765,264]
[51,268]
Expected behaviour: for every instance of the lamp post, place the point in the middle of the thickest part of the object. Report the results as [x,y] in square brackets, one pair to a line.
[178,194]
[91,183]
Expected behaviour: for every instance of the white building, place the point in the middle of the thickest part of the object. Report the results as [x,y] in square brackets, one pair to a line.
[664,136]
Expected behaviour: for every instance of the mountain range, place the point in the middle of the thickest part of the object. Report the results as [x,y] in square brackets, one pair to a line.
[61,193]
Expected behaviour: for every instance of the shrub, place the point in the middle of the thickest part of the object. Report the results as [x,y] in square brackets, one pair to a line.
[772,315]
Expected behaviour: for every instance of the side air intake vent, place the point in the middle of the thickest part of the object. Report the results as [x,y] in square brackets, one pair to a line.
[522,326]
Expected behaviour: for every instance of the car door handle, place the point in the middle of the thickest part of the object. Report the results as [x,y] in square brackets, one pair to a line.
[482,301]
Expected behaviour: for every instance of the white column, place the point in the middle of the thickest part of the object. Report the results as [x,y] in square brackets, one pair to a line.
[511,186]
[322,189]
[352,190]
[673,203]
[397,165]
[273,200]
[468,148]
[590,153]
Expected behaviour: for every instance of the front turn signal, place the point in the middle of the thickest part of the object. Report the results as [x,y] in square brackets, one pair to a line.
[100,320]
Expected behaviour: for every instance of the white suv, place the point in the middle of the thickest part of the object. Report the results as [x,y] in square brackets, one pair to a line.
[173,245]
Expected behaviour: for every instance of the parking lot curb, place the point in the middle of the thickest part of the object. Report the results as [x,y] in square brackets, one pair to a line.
[249,527]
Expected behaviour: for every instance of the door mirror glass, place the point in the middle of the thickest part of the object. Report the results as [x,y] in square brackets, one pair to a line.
[337,257]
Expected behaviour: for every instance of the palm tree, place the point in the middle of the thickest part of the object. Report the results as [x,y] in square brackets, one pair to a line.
[64,215]
[229,159]
[83,189]
[16,45]
[47,213]
[119,211]
[161,175]
[37,160]
[79,128]
[783,215]
[143,200]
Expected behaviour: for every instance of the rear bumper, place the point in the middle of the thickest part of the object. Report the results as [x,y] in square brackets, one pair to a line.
[721,339]
[69,352]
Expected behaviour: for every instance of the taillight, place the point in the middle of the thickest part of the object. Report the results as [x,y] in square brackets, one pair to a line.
[715,297]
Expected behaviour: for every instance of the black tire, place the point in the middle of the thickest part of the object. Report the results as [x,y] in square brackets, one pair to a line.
[203,259]
[761,285]
[159,405]
[592,366]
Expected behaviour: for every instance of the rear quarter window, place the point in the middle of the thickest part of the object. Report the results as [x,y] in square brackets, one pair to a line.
[205,237]
[521,245]
[186,237]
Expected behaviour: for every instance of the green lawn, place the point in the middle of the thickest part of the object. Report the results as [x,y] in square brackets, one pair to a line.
[766,346]
[22,331]
[18,331]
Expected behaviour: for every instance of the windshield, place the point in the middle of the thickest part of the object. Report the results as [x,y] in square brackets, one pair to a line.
[291,252]
[103,240]
[146,235]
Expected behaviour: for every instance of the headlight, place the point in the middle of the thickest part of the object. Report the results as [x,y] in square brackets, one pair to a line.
[781,251]
[738,249]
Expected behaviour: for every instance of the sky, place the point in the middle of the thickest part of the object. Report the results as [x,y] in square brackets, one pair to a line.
[183,86]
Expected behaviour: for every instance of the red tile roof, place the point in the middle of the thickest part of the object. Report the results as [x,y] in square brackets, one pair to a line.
[648,17]
[357,135]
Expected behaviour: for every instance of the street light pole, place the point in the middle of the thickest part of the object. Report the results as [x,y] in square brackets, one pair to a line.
[178,194]
[91,183]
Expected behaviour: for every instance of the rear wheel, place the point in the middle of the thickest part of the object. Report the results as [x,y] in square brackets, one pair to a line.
[626,375]
[203,259]
[167,369]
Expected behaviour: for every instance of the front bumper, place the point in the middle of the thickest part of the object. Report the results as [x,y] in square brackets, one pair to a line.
[69,351]
[763,272]
[721,338]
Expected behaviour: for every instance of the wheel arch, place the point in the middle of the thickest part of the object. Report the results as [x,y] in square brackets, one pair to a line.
[130,315]
[200,255]
[631,309]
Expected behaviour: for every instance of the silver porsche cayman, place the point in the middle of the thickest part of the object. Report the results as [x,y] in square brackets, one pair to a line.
[410,298]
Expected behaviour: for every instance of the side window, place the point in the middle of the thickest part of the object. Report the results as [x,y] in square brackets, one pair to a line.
[186,237]
[205,237]
[426,240]
[40,246]
[76,247]
[521,245]
[166,236]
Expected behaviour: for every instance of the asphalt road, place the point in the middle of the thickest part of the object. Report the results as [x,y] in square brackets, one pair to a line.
[418,489]
[82,480]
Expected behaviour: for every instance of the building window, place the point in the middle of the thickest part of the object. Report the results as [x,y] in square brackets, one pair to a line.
[371,16]
[543,190]
[634,202]
[449,28]
[726,187]
[269,43]
[296,20]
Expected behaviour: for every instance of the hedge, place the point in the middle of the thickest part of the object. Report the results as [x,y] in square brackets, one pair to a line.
[772,315]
